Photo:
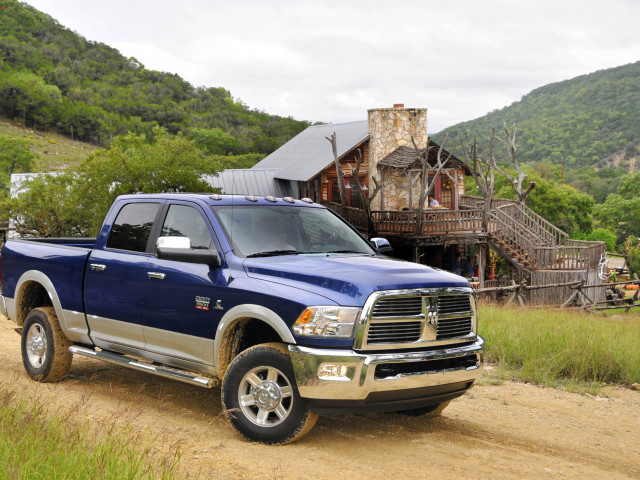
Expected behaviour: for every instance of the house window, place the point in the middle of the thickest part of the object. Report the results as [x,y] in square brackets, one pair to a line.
[446,192]
[353,197]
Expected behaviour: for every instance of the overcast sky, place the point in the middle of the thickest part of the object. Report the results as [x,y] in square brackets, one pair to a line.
[331,61]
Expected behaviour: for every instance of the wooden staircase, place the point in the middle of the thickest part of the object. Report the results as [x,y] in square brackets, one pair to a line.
[531,243]
[515,231]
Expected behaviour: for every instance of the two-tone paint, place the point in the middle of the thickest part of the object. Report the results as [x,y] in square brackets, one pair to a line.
[178,313]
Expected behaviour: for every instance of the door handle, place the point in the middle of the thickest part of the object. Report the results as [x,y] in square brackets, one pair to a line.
[156,275]
[98,267]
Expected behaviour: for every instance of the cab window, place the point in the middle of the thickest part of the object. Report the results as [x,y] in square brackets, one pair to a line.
[132,227]
[185,221]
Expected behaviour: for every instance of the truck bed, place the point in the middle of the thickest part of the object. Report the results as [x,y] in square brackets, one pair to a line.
[60,260]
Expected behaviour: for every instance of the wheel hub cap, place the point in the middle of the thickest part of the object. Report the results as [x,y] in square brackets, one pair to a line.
[268,396]
[37,345]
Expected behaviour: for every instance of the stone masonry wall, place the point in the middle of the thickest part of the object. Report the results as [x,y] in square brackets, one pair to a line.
[390,128]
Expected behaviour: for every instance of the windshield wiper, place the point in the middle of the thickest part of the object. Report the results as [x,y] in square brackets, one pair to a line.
[274,253]
[346,251]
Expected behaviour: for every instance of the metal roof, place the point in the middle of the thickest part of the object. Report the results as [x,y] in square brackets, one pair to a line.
[308,153]
[254,181]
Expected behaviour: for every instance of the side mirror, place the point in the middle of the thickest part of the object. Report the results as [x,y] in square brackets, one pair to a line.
[179,249]
[174,242]
[382,245]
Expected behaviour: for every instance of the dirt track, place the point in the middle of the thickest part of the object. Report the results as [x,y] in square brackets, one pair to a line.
[508,431]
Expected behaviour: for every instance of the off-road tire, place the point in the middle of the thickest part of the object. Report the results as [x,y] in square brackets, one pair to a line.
[430,411]
[273,412]
[45,349]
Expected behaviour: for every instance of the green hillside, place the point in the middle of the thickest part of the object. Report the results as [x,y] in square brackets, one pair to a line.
[51,151]
[52,79]
[589,122]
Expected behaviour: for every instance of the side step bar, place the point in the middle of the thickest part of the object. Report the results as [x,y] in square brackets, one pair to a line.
[124,361]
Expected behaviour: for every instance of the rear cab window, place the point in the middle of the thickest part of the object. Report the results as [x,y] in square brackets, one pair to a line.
[132,227]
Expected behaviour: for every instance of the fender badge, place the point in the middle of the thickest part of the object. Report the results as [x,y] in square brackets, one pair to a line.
[219,305]
[202,303]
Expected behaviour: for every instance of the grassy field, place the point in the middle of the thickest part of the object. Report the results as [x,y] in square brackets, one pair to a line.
[34,443]
[552,347]
[52,152]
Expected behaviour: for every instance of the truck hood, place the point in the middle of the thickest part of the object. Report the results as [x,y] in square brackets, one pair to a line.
[348,279]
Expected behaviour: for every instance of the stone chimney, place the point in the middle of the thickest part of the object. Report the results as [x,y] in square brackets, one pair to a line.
[390,128]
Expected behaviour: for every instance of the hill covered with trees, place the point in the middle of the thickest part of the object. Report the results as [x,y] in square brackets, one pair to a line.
[54,79]
[590,124]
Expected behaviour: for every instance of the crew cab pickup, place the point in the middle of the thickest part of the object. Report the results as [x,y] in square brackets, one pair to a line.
[280,301]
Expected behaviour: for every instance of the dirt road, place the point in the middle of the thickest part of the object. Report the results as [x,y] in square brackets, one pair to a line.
[508,431]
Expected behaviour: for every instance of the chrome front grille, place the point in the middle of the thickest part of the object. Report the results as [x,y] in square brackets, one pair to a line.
[394,332]
[453,304]
[397,307]
[420,319]
[454,327]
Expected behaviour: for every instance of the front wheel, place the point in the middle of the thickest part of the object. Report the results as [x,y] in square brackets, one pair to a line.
[45,349]
[260,394]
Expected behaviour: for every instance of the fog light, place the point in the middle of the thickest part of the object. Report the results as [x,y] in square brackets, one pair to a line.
[335,371]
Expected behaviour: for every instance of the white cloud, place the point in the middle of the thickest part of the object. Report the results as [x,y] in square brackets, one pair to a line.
[332,60]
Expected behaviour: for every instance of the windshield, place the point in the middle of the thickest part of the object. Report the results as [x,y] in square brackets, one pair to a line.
[286,230]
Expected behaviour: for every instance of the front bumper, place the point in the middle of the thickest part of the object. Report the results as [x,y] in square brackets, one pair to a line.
[341,381]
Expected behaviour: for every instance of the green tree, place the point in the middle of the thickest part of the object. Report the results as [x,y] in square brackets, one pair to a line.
[75,203]
[602,235]
[561,204]
[214,141]
[15,156]
[29,95]
[621,211]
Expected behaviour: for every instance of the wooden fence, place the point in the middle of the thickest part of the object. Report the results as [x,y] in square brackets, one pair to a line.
[580,296]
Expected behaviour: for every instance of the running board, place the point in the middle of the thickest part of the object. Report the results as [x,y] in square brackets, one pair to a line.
[124,361]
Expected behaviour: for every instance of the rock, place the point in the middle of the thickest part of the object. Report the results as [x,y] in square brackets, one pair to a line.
[635,386]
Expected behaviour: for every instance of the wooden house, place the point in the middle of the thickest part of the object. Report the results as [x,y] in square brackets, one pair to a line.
[535,249]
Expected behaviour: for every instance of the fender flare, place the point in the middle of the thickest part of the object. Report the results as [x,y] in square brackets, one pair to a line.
[42,279]
[251,311]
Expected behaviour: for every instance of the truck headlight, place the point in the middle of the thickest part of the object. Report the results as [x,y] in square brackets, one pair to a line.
[327,321]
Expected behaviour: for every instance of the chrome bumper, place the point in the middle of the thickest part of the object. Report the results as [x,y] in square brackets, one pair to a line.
[344,380]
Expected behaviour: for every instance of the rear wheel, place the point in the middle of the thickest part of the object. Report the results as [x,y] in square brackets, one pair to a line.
[261,397]
[45,349]
[430,411]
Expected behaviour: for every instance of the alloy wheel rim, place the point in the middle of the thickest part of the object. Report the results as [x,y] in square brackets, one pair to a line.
[36,345]
[265,396]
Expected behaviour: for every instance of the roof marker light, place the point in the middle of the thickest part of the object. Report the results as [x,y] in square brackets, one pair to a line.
[307,200]
[270,198]
[289,200]
[215,196]
[251,198]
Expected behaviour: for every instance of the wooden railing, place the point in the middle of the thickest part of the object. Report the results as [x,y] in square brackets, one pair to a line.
[450,221]
[548,233]
[404,221]
[517,227]
[433,221]
[395,221]
[355,216]
[509,234]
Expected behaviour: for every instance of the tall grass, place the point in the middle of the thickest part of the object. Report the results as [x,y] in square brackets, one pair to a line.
[38,444]
[552,346]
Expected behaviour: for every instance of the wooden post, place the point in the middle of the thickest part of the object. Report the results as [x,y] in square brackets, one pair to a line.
[481,264]
[634,299]
[339,172]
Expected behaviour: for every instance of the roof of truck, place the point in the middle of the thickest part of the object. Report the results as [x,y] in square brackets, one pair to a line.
[216,199]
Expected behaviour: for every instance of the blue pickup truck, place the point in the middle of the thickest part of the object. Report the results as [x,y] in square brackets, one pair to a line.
[279,300]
